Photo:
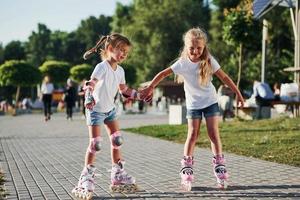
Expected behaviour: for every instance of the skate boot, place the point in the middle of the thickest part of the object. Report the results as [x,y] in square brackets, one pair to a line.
[186,173]
[85,187]
[220,171]
[120,180]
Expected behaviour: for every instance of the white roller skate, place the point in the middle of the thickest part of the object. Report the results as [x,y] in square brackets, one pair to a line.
[186,173]
[86,184]
[120,180]
[220,171]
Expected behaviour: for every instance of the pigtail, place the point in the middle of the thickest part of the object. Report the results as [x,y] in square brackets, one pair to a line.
[97,49]
[100,48]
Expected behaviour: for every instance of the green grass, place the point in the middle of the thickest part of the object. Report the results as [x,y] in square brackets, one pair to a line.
[276,140]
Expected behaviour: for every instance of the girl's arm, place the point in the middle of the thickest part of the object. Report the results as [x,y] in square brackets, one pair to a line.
[227,80]
[127,92]
[88,88]
[148,90]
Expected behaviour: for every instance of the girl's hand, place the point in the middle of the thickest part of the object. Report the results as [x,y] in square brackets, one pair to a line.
[146,93]
[89,101]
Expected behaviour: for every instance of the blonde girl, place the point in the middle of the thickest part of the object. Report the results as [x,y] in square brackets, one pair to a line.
[197,66]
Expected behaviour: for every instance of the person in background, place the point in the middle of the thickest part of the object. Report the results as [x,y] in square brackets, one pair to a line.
[276,89]
[81,97]
[70,98]
[47,90]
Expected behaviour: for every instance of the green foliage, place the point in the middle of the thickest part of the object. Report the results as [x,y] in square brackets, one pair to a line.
[18,73]
[38,45]
[81,72]
[276,140]
[14,50]
[238,28]
[221,4]
[1,54]
[57,70]
[156,27]
[90,31]
[57,46]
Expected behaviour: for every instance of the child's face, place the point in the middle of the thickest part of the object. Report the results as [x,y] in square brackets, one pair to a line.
[120,53]
[195,49]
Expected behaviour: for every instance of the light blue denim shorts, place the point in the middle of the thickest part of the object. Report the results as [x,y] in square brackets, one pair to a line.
[210,111]
[97,118]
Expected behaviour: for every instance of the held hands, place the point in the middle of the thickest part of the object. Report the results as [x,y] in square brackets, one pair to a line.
[146,93]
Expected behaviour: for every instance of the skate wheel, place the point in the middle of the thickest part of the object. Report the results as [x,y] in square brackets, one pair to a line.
[187,186]
[113,188]
[89,195]
[222,184]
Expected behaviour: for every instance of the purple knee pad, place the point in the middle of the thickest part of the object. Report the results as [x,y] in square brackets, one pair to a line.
[95,145]
[116,140]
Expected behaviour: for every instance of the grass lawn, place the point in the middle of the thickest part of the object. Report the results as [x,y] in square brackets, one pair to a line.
[276,140]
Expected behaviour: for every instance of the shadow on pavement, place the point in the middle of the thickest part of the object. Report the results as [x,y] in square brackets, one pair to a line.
[231,192]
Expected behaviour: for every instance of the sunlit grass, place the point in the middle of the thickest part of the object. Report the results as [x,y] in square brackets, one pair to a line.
[276,140]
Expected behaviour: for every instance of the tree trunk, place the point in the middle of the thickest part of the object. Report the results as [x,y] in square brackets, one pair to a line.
[18,94]
[239,74]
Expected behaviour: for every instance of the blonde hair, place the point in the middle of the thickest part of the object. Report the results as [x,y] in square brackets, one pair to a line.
[205,69]
[114,39]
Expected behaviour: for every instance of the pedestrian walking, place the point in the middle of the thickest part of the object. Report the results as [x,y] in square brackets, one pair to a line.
[47,90]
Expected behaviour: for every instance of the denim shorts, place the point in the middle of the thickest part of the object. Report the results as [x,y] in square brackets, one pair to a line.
[97,118]
[210,111]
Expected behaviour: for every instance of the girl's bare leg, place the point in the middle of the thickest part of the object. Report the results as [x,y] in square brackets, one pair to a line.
[112,127]
[212,125]
[193,133]
[94,131]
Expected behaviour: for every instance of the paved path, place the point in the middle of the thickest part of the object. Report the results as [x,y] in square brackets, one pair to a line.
[43,161]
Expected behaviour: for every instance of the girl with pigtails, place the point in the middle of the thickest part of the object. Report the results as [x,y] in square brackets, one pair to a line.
[106,80]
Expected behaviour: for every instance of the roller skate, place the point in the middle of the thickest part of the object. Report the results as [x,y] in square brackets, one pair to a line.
[220,171]
[186,173]
[120,180]
[85,187]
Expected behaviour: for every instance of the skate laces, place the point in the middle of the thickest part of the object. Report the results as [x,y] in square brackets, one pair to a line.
[219,163]
[219,160]
[187,165]
[119,173]
[187,161]
[88,173]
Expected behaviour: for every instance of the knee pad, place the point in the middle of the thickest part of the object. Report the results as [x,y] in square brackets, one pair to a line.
[95,145]
[116,140]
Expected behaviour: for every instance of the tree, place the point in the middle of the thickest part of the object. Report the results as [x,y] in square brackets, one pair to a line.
[81,72]
[155,28]
[240,29]
[1,54]
[90,31]
[57,70]
[18,73]
[57,46]
[14,50]
[38,45]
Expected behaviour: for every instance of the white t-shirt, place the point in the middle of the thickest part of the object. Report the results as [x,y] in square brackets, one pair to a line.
[196,95]
[47,88]
[107,86]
